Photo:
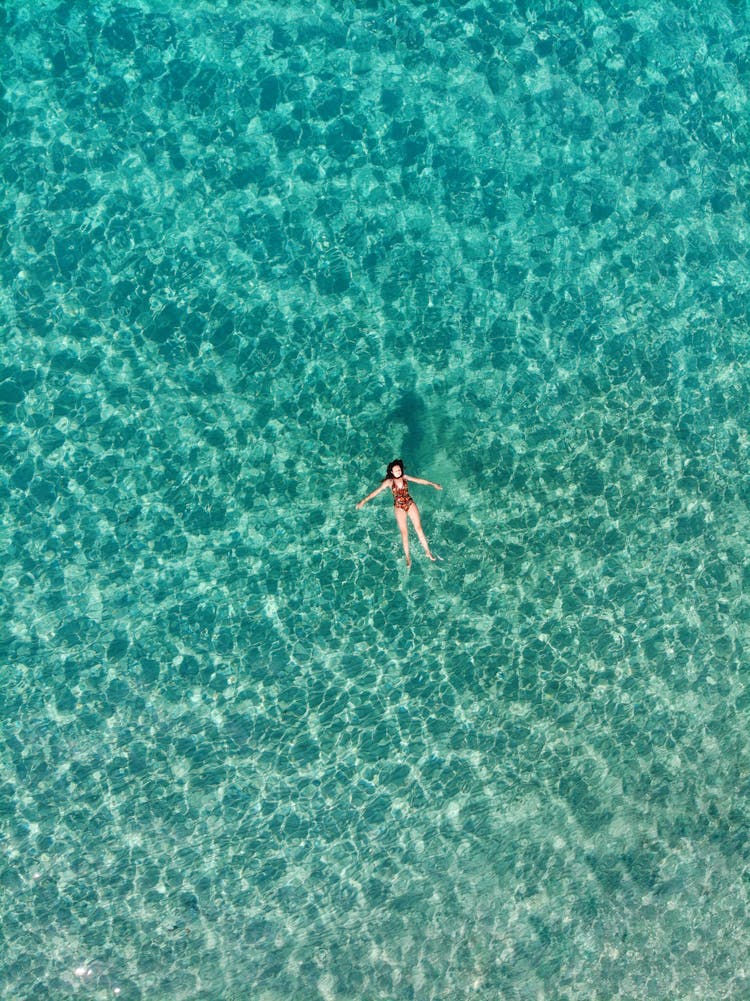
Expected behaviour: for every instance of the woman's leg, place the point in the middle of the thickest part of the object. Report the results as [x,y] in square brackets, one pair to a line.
[417,522]
[403,527]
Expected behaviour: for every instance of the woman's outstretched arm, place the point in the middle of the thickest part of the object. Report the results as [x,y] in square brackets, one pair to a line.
[426,483]
[375,493]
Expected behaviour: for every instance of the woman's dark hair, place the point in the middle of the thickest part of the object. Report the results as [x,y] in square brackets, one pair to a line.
[389,470]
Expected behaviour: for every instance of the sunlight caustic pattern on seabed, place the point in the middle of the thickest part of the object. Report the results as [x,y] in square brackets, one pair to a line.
[250,253]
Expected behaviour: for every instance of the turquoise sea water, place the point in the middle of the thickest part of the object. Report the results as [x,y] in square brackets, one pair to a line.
[249,253]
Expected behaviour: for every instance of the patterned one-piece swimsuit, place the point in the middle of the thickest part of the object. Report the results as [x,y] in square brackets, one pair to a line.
[401,498]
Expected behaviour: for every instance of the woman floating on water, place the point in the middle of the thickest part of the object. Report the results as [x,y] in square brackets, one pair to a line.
[403,504]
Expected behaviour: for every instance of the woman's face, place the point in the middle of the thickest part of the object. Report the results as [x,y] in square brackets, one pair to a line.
[396,472]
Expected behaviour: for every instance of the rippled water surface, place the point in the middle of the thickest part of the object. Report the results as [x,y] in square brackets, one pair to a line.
[249,253]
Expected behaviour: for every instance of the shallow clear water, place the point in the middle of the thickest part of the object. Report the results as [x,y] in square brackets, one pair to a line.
[251,252]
